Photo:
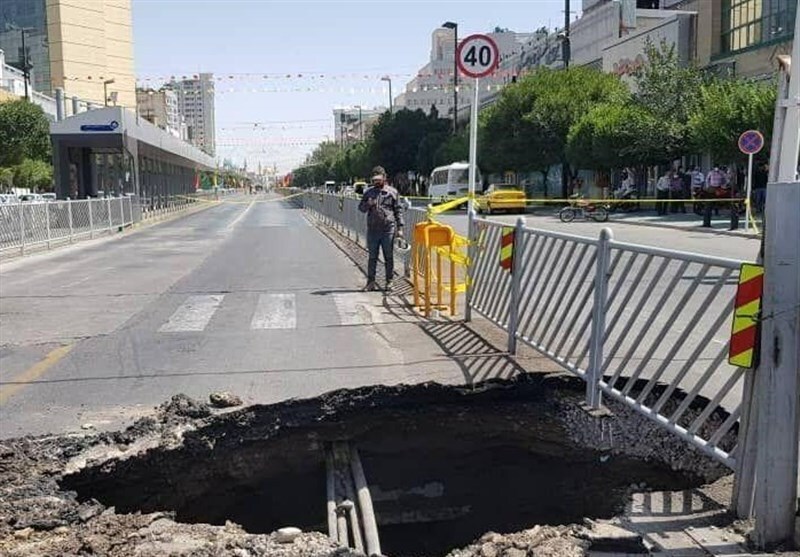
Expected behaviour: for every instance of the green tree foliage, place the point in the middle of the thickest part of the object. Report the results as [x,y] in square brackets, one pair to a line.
[396,139]
[34,174]
[512,138]
[726,108]
[563,97]
[615,135]
[24,133]
[454,149]
[665,87]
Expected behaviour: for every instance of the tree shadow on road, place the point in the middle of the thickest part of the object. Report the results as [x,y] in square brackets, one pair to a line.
[476,356]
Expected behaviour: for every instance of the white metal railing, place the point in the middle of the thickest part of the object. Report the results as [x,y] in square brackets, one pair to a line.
[28,226]
[646,326]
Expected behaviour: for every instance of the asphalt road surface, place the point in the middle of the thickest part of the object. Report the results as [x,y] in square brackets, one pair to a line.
[696,241]
[245,296]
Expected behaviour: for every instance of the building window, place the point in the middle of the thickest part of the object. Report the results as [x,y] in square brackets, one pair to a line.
[747,23]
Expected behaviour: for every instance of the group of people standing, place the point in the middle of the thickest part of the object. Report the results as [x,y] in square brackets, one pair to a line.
[679,185]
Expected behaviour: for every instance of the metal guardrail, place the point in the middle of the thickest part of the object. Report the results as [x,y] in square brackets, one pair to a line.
[341,213]
[28,226]
[646,326]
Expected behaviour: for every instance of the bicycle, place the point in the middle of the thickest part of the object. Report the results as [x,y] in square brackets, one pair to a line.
[583,209]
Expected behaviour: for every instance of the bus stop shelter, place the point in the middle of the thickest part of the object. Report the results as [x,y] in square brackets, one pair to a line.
[113,151]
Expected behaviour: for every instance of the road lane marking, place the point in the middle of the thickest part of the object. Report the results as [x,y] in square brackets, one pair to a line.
[34,372]
[193,315]
[353,308]
[236,221]
[275,311]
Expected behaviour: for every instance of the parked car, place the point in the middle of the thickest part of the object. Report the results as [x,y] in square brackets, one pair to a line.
[31,198]
[49,196]
[502,197]
[8,198]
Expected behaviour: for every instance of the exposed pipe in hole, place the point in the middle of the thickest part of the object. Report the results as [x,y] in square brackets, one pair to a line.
[349,489]
[330,476]
[365,503]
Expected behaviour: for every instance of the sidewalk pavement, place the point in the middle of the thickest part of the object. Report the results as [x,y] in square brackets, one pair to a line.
[688,221]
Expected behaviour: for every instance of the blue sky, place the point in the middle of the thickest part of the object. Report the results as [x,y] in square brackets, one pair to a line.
[343,45]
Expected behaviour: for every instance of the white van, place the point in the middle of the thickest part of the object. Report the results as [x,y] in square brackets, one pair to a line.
[451,181]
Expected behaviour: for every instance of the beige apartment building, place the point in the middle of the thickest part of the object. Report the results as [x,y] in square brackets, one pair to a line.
[74,44]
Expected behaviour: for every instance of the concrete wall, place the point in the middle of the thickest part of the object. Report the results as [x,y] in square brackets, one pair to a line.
[92,41]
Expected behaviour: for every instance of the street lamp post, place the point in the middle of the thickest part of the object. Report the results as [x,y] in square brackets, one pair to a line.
[566,45]
[454,26]
[389,79]
[106,83]
[26,69]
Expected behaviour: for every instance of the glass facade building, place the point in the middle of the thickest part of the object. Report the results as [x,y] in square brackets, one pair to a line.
[29,17]
[751,23]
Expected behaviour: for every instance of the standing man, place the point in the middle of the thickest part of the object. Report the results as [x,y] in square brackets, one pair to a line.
[381,203]
[662,192]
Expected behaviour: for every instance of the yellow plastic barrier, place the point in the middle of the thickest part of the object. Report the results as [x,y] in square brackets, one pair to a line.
[427,274]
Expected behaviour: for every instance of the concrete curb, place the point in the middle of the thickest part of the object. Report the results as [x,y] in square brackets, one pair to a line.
[733,233]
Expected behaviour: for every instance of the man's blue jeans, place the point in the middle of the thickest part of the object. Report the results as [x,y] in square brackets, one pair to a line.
[384,241]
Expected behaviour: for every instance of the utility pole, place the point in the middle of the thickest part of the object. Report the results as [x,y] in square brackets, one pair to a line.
[454,26]
[776,380]
[566,49]
[25,67]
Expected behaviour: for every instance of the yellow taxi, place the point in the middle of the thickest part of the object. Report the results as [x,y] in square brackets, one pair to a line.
[502,197]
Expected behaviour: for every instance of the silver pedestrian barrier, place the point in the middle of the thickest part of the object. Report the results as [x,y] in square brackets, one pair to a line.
[27,226]
[644,326]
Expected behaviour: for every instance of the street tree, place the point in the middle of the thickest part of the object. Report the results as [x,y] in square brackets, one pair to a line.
[511,138]
[615,135]
[396,138]
[24,133]
[562,98]
[454,149]
[665,86]
[726,108]
[34,174]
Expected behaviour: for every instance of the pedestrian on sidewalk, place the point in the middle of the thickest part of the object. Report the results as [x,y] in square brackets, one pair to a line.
[381,203]
[698,181]
[676,192]
[715,186]
[662,192]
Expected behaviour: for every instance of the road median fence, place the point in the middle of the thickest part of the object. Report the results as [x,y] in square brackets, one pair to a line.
[644,326]
[28,227]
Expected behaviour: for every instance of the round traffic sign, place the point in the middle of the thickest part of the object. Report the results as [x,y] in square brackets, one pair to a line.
[477,56]
[751,142]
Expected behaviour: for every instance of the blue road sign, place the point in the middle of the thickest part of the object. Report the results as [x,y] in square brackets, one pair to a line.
[751,142]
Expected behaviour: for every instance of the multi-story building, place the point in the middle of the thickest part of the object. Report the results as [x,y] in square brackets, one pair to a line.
[741,37]
[72,45]
[354,123]
[433,85]
[12,86]
[731,37]
[160,107]
[196,106]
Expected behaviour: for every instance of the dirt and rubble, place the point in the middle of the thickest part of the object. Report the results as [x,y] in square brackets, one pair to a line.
[152,488]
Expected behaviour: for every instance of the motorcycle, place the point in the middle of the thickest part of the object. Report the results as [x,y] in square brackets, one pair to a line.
[579,208]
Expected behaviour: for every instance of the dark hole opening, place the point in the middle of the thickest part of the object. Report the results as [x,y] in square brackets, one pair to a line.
[441,474]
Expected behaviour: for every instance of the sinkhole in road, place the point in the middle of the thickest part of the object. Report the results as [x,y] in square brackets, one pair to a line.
[444,464]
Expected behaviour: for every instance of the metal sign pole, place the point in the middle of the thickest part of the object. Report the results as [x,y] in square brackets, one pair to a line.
[749,201]
[473,145]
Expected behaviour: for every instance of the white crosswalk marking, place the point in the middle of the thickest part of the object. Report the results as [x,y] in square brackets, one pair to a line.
[275,311]
[354,309]
[194,314]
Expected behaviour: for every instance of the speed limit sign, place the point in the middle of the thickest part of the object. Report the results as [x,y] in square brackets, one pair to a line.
[477,56]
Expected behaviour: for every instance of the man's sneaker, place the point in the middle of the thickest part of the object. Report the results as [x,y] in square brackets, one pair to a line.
[370,287]
[389,286]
